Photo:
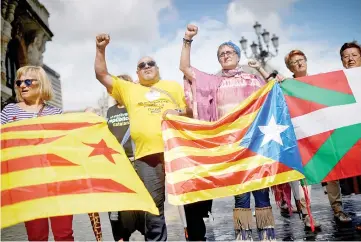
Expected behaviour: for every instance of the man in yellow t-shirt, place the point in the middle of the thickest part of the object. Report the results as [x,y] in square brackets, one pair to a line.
[146,103]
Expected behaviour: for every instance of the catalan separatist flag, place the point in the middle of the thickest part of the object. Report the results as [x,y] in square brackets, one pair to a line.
[326,114]
[253,147]
[65,164]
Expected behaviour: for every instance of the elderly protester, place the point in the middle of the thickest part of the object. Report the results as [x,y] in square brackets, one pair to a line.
[33,89]
[212,97]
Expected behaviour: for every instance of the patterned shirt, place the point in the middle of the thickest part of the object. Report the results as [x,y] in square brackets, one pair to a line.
[212,96]
[233,90]
[12,112]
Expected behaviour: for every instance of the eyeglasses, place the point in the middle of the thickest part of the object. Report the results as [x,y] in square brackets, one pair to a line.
[142,65]
[299,61]
[27,82]
[348,57]
[227,53]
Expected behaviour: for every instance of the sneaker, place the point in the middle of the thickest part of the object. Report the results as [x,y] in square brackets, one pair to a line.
[342,217]
[307,222]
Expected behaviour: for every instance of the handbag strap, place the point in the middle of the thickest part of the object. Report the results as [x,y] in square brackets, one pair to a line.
[167,94]
[126,137]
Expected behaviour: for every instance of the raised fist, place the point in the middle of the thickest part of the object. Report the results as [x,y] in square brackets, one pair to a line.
[191,31]
[254,64]
[102,40]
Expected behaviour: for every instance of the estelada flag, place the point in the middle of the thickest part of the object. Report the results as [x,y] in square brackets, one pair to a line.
[326,114]
[65,164]
[251,148]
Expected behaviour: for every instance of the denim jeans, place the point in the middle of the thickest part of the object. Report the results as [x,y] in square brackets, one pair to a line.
[261,198]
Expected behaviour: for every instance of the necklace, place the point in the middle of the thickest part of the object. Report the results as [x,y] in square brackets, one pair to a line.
[38,113]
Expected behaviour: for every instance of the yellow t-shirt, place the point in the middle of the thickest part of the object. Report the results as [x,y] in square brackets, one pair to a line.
[145,109]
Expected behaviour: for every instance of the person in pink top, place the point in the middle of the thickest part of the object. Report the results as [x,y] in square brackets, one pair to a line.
[213,96]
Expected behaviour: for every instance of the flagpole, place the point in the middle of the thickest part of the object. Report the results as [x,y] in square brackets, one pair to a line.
[182,215]
[308,202]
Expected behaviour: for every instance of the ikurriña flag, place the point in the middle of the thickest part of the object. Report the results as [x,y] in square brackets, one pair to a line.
[65,164]
[326,114]
[251,148]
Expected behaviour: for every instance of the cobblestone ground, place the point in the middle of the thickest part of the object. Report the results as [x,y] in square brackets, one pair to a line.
[221,228]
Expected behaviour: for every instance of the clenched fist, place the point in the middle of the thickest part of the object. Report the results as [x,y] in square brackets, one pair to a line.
[102,40]
[254,64]
[191,31]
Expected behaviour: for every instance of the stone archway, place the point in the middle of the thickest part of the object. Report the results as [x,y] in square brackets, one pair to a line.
[16,57]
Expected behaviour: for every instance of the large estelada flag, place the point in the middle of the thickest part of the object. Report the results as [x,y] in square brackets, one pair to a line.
[65,164]
[253,147]
[326,114]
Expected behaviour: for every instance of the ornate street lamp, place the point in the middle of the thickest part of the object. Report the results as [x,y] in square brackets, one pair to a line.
[258,51]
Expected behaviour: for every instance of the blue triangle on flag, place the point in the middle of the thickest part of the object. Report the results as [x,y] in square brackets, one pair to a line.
[271,134]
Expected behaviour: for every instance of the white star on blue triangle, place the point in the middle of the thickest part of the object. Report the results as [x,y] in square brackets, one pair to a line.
[271,134]
[272,131]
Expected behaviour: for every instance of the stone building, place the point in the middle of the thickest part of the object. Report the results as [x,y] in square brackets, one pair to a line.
[55,81]
[24,33]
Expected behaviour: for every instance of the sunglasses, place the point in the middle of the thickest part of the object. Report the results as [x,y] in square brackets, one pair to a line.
[142,65]
[27,82]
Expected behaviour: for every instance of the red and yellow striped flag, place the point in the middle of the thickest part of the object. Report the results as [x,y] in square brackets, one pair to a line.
[207,160]
[65,164]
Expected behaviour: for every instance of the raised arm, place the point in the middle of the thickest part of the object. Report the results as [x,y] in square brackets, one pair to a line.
[185,60]
[255,64]
[100,65]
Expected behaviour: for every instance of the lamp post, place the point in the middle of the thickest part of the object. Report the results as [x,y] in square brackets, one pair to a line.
[258,51]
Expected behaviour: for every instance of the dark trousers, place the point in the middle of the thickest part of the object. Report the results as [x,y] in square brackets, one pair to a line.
[195,212]
[127,223]
[150,170]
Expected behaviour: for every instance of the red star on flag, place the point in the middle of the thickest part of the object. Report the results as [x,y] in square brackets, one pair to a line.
[102,149]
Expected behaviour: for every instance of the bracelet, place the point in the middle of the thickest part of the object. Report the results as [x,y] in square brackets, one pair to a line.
[269,77]
[187,40]
[273,74]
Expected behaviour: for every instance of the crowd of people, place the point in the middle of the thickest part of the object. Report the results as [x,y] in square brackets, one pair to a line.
[135,120]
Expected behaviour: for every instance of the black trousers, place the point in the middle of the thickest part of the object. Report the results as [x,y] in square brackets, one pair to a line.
[150,169]
[195,212]
[127,223]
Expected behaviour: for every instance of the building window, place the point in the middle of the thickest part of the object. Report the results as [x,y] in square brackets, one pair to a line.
[11,63]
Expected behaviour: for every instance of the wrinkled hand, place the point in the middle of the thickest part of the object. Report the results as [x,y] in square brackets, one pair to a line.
[102,40]
[170,111]
[254,64]
[191,31]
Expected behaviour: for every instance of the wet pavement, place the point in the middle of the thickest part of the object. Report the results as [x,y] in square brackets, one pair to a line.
[221,228]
